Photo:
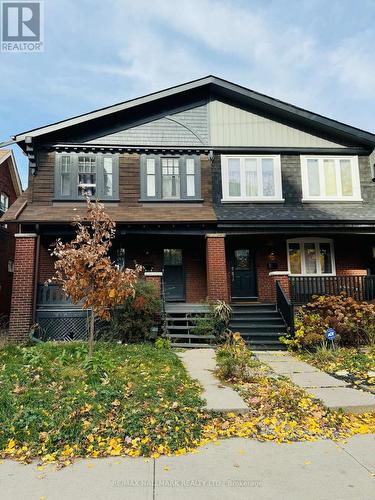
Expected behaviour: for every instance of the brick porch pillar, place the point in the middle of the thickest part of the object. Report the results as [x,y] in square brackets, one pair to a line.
[283,278]
[217,273]
[154,278]
[22,303]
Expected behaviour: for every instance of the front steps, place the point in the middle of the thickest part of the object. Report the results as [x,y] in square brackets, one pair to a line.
[260,325]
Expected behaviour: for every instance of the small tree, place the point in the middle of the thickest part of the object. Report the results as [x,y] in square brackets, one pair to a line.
[85,271]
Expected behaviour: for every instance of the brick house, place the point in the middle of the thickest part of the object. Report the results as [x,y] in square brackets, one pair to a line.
[10,190]
[220,189]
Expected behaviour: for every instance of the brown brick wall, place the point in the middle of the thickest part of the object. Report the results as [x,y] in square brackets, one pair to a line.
[46,262]
[22,307]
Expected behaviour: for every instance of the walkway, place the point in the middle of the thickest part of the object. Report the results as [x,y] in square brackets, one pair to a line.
[332,392]
[200,364]
[236,469]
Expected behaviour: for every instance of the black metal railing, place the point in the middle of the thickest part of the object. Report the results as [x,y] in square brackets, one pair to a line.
[284,306]
[303,288]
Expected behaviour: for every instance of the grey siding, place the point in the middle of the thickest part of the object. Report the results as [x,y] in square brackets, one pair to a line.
[184,128]
[233,126]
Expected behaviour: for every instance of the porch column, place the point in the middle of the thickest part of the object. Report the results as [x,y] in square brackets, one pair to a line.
[23,290]
[217,273]
[283,278]
[154,278]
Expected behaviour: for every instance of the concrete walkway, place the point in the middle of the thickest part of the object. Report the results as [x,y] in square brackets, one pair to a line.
[200,364]
[334,393]
[237,469]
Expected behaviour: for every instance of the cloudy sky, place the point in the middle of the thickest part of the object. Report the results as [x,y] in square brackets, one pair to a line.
[317,54]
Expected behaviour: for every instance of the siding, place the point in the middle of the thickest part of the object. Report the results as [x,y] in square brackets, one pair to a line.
[232,126]
[185,128]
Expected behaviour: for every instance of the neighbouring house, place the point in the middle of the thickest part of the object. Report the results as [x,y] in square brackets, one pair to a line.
[10,190]
[219,191]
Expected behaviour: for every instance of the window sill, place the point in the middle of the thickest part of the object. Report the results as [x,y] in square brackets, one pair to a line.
[331,200]
[312,275]
[83,201]
[255,200]
[173,200]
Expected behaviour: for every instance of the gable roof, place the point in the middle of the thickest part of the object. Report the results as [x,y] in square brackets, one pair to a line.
[7,154]
[222,88]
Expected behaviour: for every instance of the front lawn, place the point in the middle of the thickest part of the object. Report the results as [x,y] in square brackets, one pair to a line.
[353,365]
[134,400]
[138,400]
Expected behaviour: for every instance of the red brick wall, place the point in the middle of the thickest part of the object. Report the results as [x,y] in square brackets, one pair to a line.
[22,307]
[46,263]
[195,274]
[7,243]
[217,273]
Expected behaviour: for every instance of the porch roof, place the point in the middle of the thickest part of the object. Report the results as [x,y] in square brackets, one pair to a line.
[23,211]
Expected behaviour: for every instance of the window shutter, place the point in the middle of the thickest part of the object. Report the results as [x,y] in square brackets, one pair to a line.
[182,166]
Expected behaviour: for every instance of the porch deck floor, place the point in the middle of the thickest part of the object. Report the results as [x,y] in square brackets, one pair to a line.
[200,364]
[333,393]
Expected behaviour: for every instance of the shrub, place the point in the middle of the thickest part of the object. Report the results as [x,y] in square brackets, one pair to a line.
[234,359]
[353,321]
[215,322]
[134,319]
[163,343]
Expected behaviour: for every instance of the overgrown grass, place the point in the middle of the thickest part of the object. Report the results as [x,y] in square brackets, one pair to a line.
[133,399]
[357,363]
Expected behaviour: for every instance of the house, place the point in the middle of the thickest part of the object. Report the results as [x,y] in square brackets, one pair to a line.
[10,190]
[232,194]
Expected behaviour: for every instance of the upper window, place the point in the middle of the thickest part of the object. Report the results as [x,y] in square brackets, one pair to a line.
[94,174]
[311,256]
[4,202]
[330,178]
[170,178]
[251,178]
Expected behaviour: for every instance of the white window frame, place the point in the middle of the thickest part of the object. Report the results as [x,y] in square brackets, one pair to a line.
[317,241]
[4,202]
[278,196]
[356,196]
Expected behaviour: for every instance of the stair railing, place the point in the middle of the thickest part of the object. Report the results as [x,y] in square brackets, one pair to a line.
[285,307]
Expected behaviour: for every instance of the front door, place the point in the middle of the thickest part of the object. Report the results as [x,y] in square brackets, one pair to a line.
[173,275]
[243,274]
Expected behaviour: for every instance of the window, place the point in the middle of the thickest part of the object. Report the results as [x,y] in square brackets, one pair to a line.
[86,175]
[4,202]
[170,171]
[170,178]
[311,256]
[330,178]
[251,178]
[94,174]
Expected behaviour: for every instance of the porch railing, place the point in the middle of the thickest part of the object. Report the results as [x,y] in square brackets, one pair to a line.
[284,306]
[302,288]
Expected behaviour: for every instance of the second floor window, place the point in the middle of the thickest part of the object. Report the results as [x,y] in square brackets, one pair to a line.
[330,178]
[4,202]
[170,178]
[251,178]
[94,174]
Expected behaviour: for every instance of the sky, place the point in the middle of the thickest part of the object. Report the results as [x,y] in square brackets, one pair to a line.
[317,54]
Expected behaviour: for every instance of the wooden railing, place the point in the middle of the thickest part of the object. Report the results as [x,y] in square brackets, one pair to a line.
[284,306]
[302,288]
[53,296]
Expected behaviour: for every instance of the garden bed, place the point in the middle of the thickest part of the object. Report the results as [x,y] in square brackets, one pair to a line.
[355,366]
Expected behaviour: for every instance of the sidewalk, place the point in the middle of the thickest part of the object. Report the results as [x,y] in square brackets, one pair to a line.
[334,393]
[231,469]
[200,363]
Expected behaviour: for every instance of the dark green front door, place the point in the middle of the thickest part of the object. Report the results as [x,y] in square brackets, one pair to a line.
[243,273]
[173,275]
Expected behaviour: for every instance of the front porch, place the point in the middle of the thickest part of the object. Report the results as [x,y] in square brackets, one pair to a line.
[191,269]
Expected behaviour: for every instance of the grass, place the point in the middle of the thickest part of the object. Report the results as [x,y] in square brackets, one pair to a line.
[138,400]
[135,400]
[357,363]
